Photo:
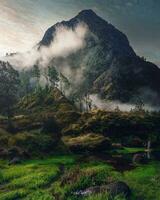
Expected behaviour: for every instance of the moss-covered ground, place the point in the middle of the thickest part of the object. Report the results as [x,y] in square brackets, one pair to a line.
[59,176]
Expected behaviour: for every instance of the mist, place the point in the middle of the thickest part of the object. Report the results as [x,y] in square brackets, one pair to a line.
[66,41]
[112,105]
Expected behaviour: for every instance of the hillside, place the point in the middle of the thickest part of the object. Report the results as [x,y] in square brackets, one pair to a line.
[50,150]
[107,64]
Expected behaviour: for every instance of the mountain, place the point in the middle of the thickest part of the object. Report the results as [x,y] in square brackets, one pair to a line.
[107,63]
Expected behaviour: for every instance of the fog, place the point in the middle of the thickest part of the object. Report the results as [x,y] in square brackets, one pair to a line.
[66,41]
[112,105]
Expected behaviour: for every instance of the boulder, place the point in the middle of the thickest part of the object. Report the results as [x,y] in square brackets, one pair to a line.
[118,188]
[113,189]
[139,158]
[14,161]
[88,191]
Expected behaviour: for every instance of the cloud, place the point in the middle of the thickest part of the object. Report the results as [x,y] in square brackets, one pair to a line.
[66,41]
[112,105]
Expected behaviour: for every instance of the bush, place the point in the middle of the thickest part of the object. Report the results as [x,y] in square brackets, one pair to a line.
[89,142]
[40,195]
[50,126]
[33,142]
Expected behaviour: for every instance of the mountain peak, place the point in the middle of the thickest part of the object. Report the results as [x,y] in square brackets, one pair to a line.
[109,62]
[86,12]
[88,16]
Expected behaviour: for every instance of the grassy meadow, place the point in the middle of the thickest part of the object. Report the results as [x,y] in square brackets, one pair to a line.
[59,177]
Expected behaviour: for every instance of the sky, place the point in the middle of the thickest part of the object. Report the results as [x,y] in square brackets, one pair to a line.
[24,22]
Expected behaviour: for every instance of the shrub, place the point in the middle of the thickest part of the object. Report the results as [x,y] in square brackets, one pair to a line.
[33,142]
[50,126]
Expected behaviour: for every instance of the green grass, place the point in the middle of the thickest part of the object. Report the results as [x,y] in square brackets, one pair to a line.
[31,179]
[126,150]
[40,195]
[44,180]
[145,181]
[104,196]
[10,195]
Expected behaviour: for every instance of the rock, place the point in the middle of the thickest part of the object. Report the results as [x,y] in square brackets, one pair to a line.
[113,189]
[88,191]
[14,161]
[117,188]
[139,158]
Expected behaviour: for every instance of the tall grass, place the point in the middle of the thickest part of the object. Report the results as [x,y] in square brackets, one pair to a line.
[31,179]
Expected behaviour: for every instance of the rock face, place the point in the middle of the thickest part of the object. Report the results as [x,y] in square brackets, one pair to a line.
[111,68]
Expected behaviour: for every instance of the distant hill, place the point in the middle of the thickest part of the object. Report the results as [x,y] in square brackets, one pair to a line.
[108,64]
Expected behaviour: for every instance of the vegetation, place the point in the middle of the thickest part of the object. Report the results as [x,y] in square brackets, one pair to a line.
[9,81]
[53,76]
[61,176]
[31,179]
[58,152]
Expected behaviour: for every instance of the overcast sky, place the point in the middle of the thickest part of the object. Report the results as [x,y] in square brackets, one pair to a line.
[23,22]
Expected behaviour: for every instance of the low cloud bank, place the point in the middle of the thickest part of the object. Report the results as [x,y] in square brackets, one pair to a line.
[112,105]
[66,41]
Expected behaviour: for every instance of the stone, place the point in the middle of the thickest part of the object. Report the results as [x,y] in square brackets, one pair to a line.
[114,189]
[14,161]
[139,158]
[118,188]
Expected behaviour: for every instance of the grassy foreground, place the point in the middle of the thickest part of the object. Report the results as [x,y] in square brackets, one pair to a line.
[58,177]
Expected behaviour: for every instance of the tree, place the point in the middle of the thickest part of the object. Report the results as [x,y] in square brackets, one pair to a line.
[64,83]
[53,76]
[139,107]
[36,74]
[9,83]
[25,84]
[45,74]
[88,102]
